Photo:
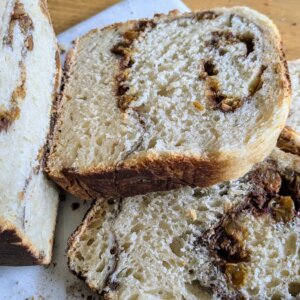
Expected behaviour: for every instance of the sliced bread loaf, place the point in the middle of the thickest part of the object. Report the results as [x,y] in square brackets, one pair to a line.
[235,240]
[29,79]
[177,100]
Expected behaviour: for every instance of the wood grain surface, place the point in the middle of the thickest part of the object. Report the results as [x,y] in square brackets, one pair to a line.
[285,13]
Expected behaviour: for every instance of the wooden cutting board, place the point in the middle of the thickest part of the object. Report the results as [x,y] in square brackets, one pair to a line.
[285,13]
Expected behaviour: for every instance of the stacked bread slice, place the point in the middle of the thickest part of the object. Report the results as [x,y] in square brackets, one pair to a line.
[29,80]
[178,100]
[235,240]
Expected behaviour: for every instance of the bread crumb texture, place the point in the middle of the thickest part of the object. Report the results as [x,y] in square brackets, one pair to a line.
[207,88]
[239,239]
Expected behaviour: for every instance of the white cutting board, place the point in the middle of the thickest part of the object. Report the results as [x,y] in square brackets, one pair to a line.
[56,282]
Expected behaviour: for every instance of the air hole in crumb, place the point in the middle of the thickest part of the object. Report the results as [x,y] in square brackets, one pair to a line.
[111,201]
[198,193]
[166,264]
[126,246]
[275,282]
[291,245]
[113,250]
[100,268]
[254,291]
[294,288]
[202,208]
[273,254]
[196,289]
[146,237]
[176,246]
[152,143]
[248,39]
[137,228]
[210,68]
[163,92]
[222,51]
[164,225]
[229,23]
[139,277]
[257,83]
[134,297]
[179,143]
[128,272]
[178,208]
[216,118]
[90,242]
[276,297]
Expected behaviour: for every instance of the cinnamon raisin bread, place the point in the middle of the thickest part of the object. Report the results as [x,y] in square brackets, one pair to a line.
[29,79]
[235,240]
[178,100]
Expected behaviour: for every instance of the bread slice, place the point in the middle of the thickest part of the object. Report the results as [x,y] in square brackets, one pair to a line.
[30,78]
[235,240]
[231,240]
[178,100]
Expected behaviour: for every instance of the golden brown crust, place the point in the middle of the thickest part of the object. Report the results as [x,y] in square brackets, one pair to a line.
[149,174]
[44,9]
[289,141]
[15,250]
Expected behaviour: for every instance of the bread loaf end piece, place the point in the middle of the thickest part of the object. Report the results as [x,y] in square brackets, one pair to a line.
[177,100]
[31,72]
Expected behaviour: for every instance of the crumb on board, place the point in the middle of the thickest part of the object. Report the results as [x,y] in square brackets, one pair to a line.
[62,49]
[75,205]
[62,197]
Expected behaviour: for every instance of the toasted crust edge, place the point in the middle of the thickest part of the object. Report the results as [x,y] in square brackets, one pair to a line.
[150,174]
[15,249]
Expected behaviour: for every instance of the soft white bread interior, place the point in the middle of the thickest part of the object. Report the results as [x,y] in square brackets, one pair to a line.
[194,243]
[177,100]
[236,240]
[29,79]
